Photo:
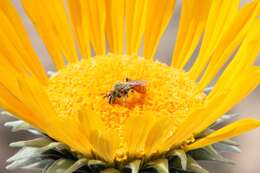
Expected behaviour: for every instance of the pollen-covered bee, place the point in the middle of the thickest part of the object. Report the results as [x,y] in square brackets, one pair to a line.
[121,89]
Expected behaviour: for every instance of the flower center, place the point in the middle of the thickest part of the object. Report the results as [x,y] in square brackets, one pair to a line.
[119,86]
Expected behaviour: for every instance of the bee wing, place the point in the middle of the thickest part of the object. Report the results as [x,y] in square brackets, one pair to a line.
[134,83]
[138,86]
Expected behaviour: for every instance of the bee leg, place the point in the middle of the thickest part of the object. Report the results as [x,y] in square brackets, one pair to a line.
[127,79]
[110,100]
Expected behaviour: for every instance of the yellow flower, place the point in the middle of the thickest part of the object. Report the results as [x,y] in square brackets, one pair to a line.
[72,106]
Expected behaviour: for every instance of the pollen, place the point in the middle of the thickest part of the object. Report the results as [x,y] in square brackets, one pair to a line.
[85,85]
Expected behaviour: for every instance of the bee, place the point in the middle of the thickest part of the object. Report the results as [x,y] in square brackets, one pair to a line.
[121,89]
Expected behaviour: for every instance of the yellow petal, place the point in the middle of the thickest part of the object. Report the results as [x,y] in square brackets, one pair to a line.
[158,16]
[230,41]
[136,11]
[189,126]
[192,24]
[34,97]
[238,79]
[78,16]
[51,21]
[157,135]
[12,97]
[90,124]
[105,143]
[115,17]
[13,105]
[95,16]
[18,99]
[15,45]
[78,142]
[90,121]
[243,84]
[221,15]
[135,137]
[244,58]
[226,132]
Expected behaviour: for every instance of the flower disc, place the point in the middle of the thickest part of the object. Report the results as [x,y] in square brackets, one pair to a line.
[169,91]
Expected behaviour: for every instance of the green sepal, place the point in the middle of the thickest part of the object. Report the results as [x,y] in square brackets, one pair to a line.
[160,165]
[40,165]
[222,148]
[75,166]
[18,125]
[208,153]
[182,156]
[59,166]
[224,119]
[21,125]
[194,166]
[22,163]
[25,153]
[230,142]
[33,152]
[134,166]
[97,165]
[37,142]
[204,133]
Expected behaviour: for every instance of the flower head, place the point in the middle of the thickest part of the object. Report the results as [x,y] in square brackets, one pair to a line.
[122,106]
